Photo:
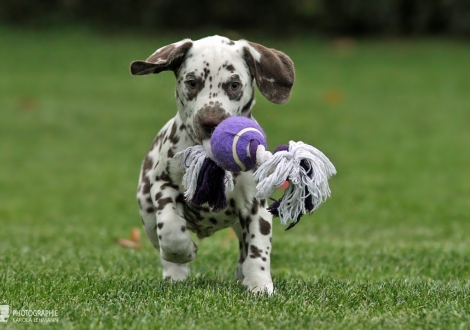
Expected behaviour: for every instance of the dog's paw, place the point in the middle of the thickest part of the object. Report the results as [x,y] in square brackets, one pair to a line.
[175,272]
[179,255]
[259,286]
[267,288]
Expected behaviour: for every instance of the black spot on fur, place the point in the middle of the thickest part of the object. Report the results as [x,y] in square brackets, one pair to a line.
[254,208]
[264,227]
[150,209]
[164,176]
[158,195]
[174,137]
[206,72]
[169,185]
[180,198]
[255,252]
[242,221]
[242,257]
[162,202]
[160,225]
[158,140]
[192,213]
[147,186]
[247,222]
[183,228]
[147,165]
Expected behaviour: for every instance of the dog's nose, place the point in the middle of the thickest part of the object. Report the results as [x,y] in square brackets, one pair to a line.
[209,117]
[209,124]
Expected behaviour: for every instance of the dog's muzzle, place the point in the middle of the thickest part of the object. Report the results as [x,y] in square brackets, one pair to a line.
[207,119]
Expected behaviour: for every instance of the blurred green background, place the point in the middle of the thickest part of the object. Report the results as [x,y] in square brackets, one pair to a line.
[382,88]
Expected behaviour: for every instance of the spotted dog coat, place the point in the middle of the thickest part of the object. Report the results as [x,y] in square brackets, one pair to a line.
[214,80]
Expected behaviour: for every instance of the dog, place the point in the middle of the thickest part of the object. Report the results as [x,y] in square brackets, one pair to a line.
[215,79]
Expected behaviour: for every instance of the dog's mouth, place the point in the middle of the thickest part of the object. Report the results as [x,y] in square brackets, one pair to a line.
[201,134]
[207,125]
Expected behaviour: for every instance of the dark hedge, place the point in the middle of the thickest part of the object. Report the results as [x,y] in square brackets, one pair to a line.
[331,17]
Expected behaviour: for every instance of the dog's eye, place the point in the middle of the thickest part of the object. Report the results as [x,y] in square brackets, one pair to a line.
[192,83]
[234,85]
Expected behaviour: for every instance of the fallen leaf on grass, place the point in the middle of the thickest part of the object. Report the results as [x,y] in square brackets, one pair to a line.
[135,235]
[133,243]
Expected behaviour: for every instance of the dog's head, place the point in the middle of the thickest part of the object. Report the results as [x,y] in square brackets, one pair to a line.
[214,78]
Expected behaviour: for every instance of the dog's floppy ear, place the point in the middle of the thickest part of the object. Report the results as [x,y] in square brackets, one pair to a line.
[273,71]
[166,58]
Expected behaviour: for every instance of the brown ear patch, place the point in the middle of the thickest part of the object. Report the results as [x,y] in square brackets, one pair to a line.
[274,72]
[166,58]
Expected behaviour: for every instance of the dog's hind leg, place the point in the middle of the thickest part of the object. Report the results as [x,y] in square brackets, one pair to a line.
[242,250]
[149,222]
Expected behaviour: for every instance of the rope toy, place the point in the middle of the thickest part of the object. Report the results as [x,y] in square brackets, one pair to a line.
[239,144]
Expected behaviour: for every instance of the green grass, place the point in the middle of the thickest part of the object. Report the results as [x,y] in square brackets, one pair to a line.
[390,249]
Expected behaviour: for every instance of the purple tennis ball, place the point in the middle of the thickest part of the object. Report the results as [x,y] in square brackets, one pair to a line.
[234,143]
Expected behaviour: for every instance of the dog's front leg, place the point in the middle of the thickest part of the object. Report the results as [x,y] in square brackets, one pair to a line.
[254,269]
[176,245]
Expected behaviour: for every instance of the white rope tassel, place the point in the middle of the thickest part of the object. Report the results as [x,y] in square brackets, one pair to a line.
[286,165]
[272,174]
[191,159]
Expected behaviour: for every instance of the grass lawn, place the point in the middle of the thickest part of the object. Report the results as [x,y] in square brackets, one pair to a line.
[390,249]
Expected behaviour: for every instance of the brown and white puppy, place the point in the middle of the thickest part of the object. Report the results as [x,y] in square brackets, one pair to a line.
[214,80]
